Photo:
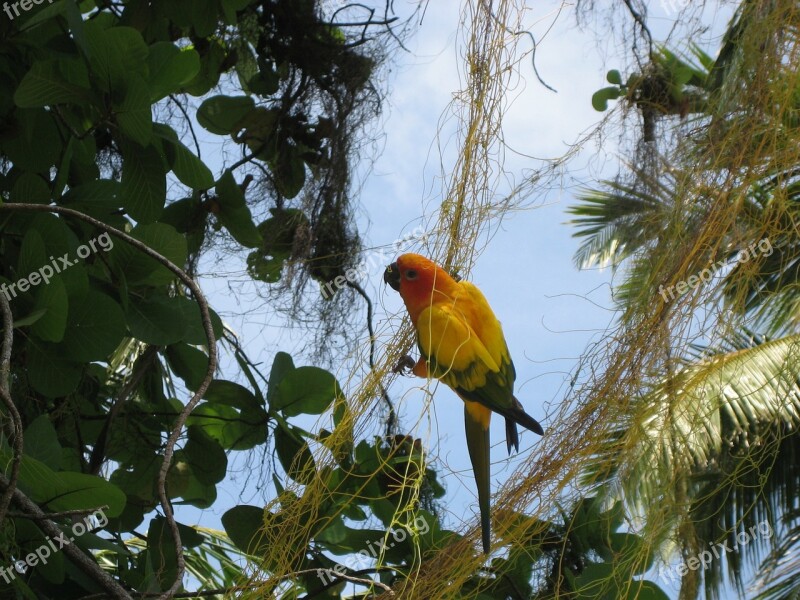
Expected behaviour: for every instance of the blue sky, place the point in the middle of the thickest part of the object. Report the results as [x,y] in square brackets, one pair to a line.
[550,311]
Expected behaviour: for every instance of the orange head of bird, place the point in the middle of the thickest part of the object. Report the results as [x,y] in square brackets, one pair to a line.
[417,279]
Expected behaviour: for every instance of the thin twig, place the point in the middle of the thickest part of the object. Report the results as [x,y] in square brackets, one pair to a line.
[344,577]
[57,515]
[391,420]
[5,396]
[172,440]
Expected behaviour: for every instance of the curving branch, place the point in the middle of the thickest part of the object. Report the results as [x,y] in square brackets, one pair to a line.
[5,396]
[88,566]
[172,440]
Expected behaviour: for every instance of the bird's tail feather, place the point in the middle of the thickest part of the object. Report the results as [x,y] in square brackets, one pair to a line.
[518,414]
[478,446]
[512,435]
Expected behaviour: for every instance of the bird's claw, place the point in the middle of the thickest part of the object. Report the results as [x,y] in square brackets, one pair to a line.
[405,363]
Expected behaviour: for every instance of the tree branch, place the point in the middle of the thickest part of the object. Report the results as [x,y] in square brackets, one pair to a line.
[5,396]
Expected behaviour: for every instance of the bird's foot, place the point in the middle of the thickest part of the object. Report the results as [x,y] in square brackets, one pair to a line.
[406,363]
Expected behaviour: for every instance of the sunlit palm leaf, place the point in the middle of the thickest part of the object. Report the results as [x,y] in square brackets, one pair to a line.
[720,434]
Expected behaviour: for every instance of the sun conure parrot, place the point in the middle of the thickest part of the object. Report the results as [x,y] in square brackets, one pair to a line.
[462,344]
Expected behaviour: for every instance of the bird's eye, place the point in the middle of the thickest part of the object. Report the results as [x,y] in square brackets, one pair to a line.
[411,274]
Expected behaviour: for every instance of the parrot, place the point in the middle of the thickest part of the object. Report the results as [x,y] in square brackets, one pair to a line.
[461,344]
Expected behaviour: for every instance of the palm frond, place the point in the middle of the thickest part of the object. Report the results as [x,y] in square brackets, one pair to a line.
[715,445]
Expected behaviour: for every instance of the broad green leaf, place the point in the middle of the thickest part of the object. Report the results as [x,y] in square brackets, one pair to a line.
[134,115]
[95,327]
[170,68]
[203,16]
[234,214]
[48,373]
[188,363]
[45,85]
[97,198]
[243,525]
[221,114]
[116,54]
[206,457]
[161,552]
[290,170]
[188,168]
[282,365]
[144,183]
[305,390]
[232,394]
[30,188]
[66,490]
[195,333]
[140,269]
[232,429]
[156,320]
[294,454]
[38,145]
[41,442]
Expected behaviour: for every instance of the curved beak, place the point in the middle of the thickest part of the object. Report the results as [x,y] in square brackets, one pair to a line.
[392,276]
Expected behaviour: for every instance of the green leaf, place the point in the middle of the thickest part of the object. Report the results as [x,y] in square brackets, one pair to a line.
[188,363]
[232,429]
[41,442]
[78,491]
[243,525]
[95,327]
[29,188]
[48,373]
[116,54]
[133,114]
[97,198]
[234,214]
[268,270]
[188,168]
[290,170]
[195,333]
[305,390]
[221,114]
[161,552]
[601,97]
[66,490]
[138,268]
[157,320]
[144,184]
[45,85]
[295,455]
[614,76]
[282,365]
[38,144]
[231,394]
[206,457]
[171,68]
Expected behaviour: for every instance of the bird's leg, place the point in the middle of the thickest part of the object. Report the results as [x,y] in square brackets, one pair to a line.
[406,363]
